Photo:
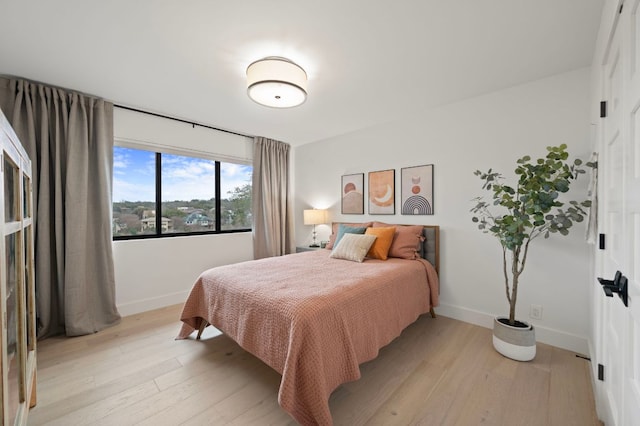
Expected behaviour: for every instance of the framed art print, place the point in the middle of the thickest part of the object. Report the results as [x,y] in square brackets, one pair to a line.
[417,190]
[353,194]
[382,192]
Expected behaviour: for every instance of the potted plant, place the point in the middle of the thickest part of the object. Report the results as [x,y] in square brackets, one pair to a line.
[519,214]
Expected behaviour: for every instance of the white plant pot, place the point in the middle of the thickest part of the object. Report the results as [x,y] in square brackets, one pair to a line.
[517,343]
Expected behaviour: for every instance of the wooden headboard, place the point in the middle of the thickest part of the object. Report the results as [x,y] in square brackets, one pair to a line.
[430,246]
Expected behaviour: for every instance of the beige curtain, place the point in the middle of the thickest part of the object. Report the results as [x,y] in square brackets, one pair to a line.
[272,204]
[69,138]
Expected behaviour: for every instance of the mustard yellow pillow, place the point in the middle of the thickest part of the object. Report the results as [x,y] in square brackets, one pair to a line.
[384,238]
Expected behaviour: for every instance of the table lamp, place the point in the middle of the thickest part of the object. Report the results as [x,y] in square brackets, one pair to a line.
[315,217]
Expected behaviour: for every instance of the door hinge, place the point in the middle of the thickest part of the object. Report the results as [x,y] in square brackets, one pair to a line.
[601,242]
[601,372]
[603,109]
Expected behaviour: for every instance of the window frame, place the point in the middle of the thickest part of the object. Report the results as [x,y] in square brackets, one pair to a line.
[158,198]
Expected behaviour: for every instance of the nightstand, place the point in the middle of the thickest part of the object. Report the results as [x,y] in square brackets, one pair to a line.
[300,249]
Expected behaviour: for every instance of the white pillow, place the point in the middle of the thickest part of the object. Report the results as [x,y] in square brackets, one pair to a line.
[353,247]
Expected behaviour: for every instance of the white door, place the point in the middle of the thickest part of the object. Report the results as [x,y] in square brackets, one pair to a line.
[618,326]
[611,223]
[631,19]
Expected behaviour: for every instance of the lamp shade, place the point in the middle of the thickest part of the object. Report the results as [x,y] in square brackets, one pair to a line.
[276,82]
[315,217]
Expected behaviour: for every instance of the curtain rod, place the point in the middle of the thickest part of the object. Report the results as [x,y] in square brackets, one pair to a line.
[180,120]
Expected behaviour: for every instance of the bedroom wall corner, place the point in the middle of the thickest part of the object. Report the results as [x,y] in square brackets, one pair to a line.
[489,131]
[550,336]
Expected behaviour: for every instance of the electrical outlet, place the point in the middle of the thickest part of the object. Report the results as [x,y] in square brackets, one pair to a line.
[535,312]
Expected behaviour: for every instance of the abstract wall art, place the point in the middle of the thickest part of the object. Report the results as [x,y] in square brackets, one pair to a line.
[417,190]
[353,194]
[382,192]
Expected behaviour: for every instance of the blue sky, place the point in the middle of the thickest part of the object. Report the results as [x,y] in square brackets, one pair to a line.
[184,178]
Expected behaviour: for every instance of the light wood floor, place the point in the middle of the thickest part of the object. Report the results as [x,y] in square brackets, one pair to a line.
[438,372]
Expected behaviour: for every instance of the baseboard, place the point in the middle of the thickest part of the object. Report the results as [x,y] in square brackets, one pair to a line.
[603,407]
[550,336]
[143,305]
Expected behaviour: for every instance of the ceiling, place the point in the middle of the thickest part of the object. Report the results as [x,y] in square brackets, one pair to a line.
[368,62]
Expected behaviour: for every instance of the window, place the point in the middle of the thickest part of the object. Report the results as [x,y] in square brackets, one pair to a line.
[194,195]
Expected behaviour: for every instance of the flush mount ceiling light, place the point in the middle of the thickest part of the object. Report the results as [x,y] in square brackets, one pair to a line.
[276,82]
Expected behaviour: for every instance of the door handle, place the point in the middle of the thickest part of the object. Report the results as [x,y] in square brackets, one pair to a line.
[617,285]
[614,281]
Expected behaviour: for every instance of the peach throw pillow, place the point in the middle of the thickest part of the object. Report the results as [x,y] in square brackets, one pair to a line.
[406,243]
[380,247]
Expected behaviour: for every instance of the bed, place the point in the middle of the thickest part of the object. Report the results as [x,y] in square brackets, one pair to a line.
[313,318]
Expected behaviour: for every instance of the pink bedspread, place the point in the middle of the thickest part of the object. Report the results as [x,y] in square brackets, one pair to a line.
[312,318]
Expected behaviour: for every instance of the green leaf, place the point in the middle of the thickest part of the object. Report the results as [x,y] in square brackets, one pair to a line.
[518,211]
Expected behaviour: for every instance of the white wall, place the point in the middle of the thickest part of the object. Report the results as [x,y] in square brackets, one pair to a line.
[153,273]
[138,130]
[160,272]
[490,131]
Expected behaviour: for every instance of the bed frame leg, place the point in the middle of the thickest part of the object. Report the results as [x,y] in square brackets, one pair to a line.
[203,325]
[433,313]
